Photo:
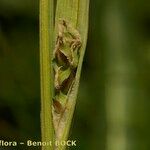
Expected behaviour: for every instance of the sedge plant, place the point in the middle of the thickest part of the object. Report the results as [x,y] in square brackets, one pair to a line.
[63,40]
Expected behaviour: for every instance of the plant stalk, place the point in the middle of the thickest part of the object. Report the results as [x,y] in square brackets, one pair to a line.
[46,47]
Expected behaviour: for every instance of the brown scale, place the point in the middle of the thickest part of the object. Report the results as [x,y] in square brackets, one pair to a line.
[74,43]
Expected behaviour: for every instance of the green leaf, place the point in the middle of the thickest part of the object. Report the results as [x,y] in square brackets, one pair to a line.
[46,48]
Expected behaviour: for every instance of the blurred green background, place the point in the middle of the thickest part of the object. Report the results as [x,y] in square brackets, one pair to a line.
[113,107]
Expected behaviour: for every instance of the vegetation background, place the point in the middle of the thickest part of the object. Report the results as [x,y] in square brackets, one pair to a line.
[113,107]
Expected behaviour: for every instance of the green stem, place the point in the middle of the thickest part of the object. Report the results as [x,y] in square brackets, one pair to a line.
[46,47]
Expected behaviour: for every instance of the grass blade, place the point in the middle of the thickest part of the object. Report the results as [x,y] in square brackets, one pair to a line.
[46,42]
